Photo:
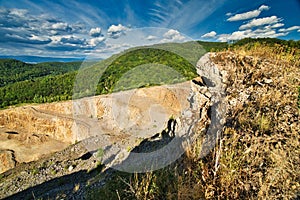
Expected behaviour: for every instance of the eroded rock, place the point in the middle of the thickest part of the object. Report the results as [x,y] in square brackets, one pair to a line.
[7,160]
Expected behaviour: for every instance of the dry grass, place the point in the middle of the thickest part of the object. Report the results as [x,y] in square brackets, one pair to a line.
[258,156]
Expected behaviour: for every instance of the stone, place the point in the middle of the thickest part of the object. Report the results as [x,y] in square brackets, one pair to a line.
[70,168]
[7,160]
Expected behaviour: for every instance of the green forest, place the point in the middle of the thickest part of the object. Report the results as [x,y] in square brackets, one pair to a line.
[134,68]
[12,70]
[49,82]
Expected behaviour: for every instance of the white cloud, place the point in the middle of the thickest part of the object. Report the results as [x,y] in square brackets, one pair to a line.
[68,39]
[116,31]
[14,36]
[40,38]
[60,26]
[258,33]
[260,22]
[18,12]
[211,34]
[173,36]
[244,16]
[289,29]
[151,38]
[277,25]
[247,15]
[237,35]
[95,41]
[263,7]
[56,38]
[53,32]
[95,32]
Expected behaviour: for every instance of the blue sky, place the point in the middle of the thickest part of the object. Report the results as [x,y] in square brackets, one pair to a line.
[99,28]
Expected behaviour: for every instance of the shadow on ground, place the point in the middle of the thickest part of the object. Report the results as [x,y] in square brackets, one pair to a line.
[73,186]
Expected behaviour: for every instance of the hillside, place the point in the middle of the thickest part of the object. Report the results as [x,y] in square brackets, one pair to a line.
[257,154]
[12,71]
[242,115]
[31,86]
[54,81]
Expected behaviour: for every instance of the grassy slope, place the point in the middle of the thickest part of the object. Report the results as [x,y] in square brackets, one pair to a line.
[258,156]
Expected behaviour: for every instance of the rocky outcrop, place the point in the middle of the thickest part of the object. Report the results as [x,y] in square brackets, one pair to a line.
[121,118]
[76,120]
[165,144]
[120,121]
[215,79]
[7,160]
[150,127]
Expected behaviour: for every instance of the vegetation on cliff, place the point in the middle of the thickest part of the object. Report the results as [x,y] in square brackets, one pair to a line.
[257,156]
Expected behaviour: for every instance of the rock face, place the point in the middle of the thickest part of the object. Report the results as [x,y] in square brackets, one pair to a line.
[7,160]
[133,131]
[119,122]
[215,81]
[73,121]
[175,129]
[161,147]
[124,118]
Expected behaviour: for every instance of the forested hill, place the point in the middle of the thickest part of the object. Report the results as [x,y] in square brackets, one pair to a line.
[268,42]
[48,82]
[54,81]
[12,70]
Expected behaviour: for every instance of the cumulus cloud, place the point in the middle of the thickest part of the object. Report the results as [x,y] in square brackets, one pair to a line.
[68,40]
[258,33]
[95,41]
[24,22]
[78,28]
[19,26]
[173,36]
[263,7]
[247,15]
[13,17]
[116,31]
[95,32]
[255,28]
[151,38]
[260,22]
[61,26]
[211,34]
[293,28]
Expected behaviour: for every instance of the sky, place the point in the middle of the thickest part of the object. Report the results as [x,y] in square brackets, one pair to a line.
[77,29]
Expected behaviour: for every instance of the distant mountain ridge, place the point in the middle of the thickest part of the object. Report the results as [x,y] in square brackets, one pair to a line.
[39,59]
[12,70]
